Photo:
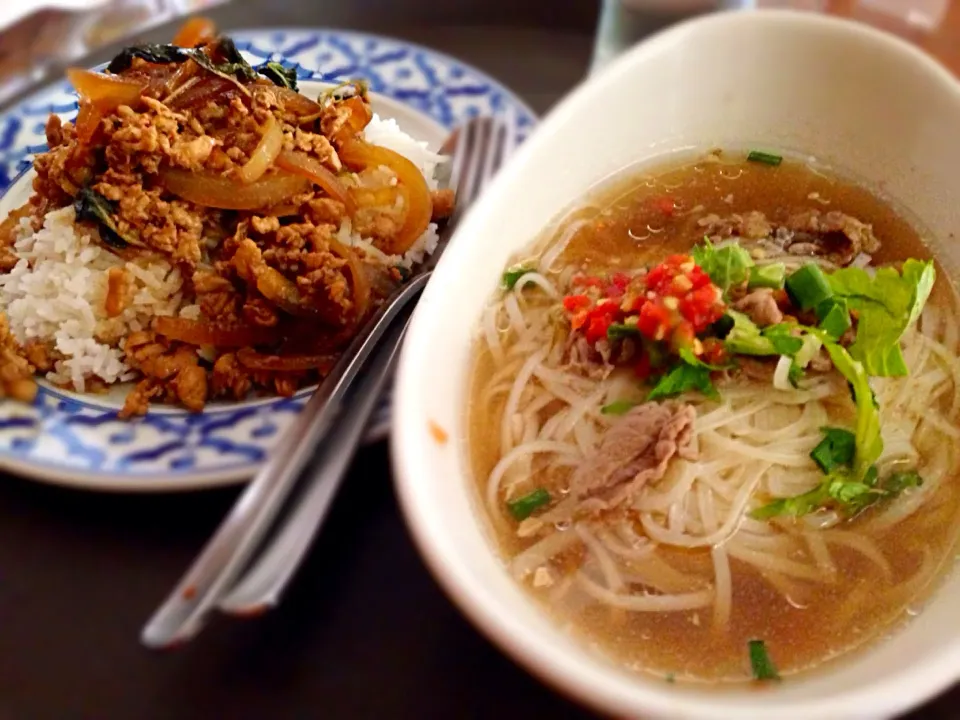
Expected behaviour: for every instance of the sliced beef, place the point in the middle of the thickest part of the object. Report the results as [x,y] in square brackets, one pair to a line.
[751,226]
[634,451]
[761,307]
[834,235]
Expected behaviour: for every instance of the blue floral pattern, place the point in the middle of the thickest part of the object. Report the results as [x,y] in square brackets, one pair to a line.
[64,435]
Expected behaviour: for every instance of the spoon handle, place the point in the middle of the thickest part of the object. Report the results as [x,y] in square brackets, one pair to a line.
[239,536]
[263,585]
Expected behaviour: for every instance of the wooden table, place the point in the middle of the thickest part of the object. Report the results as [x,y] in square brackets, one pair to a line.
[364,632]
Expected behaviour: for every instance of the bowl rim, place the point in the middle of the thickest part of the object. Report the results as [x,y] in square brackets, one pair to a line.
[573,674]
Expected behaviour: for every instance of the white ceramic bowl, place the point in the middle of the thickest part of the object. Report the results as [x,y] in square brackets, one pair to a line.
[846,94]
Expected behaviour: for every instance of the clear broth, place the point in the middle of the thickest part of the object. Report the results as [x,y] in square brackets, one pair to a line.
[627,230]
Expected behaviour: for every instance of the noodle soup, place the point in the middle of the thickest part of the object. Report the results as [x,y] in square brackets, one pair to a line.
[714,415]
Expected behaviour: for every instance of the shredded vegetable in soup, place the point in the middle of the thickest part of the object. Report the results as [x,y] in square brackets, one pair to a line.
[714,418]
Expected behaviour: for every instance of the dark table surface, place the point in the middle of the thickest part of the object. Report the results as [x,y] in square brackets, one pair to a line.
[364,631]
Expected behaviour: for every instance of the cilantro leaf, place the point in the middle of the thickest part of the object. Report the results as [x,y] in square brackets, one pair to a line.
[836,449]
[684,378]
[727,266]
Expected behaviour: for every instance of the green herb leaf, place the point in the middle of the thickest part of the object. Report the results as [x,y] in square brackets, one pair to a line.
[869,443]
[768,276]
[795,374]
[836,449]
[92,207]
[524,507]
[887,304]
[834,316]
[684,378]
[278,74]
[760,662]
[795,506]
[782,339]
[897,482]
[511,276]
[618,407]
[619,331]
[764,157]
[686,354]
[152,53]
[727,266]
[808,286]
[745,338]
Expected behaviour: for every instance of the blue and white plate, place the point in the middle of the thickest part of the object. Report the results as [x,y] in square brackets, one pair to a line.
[77,440]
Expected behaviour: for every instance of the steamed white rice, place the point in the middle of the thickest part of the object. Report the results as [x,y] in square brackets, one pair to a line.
[57,290]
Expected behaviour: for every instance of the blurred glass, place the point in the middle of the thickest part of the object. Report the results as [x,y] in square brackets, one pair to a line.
[932,24]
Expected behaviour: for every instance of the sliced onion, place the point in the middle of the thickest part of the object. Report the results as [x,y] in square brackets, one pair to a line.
[359,155]
[87,122]
[107,91]
[195,31]
[262,157]
[781,376]
[359,117]
[199,90]
[285,363]
[305,109]
[200,332]
[309,167]
[358,277]
[228,194]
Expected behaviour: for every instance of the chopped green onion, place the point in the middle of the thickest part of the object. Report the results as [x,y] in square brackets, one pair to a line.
[619,331]
[836,449]
[834,316]
[808,287]
[670,677]
[511,276]
[618,407]
[764,157]
[760,662]
[523,507]
[768,276]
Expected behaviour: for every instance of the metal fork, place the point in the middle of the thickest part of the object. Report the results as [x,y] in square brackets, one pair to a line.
[346,397]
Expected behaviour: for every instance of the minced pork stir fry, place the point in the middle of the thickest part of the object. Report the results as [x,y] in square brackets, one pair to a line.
[186,154]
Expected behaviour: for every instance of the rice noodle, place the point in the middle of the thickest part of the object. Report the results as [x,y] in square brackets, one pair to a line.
[644,602]
[753,446]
